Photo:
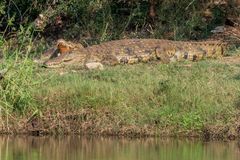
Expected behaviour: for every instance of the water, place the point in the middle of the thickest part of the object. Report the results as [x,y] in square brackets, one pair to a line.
[99,148]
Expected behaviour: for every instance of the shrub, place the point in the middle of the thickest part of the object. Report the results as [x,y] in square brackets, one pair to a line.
[108,19]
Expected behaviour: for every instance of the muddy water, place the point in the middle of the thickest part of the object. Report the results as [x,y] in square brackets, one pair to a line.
[95,148]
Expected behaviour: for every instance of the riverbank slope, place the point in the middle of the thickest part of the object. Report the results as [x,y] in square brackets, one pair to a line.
[178,99]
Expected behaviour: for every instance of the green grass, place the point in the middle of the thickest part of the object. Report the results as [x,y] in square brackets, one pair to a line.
[179,97]
[185,96]
[154,94]
[158,95]
[17,85]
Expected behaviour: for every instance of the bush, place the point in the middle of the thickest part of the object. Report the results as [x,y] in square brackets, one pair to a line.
[108,19]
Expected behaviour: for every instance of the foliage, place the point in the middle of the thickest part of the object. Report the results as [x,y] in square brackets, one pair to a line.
[108,19]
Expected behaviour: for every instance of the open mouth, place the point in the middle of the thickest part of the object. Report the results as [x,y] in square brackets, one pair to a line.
[56,62]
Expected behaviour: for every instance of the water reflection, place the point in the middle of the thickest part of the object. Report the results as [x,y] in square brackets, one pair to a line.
[99,148]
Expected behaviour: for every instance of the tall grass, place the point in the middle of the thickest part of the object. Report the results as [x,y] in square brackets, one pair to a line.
[17,85]
[18,73]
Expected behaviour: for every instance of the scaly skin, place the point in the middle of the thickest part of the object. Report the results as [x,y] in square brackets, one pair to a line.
[130,51]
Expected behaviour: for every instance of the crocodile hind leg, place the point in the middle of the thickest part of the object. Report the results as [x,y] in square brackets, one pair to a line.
[148,56]
[132,60]
[195,55]
[127,59]
[162,55]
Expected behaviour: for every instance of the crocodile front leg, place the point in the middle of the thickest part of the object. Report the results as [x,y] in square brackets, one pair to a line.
[110,59]
[196,54]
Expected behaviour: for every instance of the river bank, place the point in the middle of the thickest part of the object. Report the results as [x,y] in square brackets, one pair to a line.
[102,123]
[179,99]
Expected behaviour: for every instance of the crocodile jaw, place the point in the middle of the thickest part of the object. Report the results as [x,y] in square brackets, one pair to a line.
[72,59]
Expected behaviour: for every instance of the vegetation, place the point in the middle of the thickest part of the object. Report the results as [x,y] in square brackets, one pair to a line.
[179,95]
[95,21]
[177,98]
[145,98]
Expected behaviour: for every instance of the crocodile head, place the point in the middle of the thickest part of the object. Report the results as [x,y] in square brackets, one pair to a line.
[64,46]
[66,53]
[74,59]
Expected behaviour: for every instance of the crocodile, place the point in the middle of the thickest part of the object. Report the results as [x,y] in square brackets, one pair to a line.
[130,51]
